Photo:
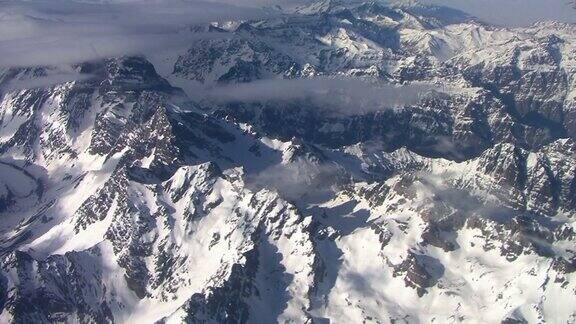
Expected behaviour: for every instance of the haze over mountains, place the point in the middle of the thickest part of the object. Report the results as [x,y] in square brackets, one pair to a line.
[342,162]
[514,12]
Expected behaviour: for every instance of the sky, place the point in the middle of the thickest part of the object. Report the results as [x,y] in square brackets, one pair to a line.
[514,12]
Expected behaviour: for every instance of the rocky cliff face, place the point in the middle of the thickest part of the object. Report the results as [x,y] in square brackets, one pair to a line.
[124,197]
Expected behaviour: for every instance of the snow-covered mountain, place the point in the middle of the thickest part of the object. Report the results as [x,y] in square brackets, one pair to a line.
[197,186]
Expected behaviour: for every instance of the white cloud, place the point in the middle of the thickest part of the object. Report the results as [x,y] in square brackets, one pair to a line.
[297,179]
[346,96]
[35,33]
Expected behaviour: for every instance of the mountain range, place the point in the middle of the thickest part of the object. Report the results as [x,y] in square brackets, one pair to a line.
[337,162]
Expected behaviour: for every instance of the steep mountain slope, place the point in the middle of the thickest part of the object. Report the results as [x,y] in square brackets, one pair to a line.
[138,193]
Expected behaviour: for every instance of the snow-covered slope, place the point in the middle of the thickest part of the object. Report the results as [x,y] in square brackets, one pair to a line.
[135,194]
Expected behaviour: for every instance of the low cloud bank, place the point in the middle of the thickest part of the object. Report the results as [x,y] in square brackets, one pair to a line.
[346,96]
[42,32]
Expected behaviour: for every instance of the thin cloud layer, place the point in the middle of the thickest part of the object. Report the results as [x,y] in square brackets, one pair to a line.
[297,179]
[35,33]
[346,96]
[52,32]
[43,81]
